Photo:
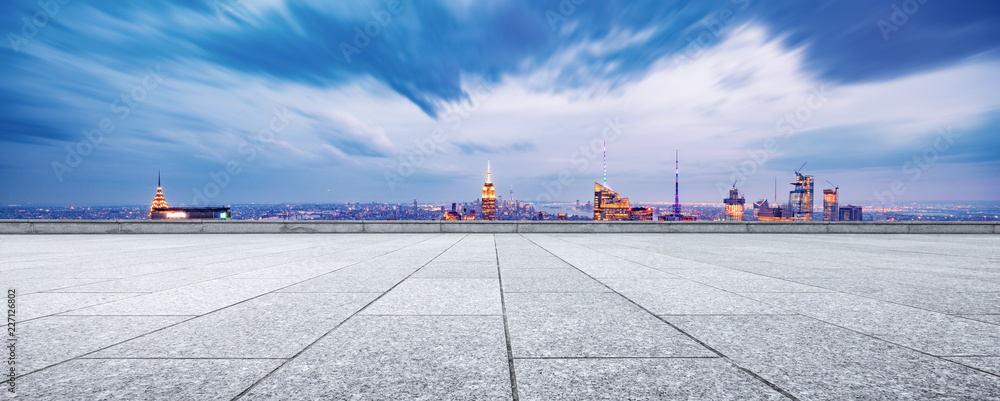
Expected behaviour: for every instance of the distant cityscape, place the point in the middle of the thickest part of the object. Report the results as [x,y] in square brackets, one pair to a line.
[611,206]
[607,205]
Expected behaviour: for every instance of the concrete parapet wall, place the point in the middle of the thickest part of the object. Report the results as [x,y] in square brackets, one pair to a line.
[274,227]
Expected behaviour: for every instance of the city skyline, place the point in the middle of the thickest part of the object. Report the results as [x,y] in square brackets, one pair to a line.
[276,102]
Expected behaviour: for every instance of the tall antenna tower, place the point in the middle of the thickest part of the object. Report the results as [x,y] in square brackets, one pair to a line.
[605,164]
[677,180]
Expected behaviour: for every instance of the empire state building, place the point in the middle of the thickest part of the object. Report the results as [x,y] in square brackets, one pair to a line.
[489,201]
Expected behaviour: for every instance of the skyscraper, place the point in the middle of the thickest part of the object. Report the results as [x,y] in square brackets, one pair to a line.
[800,199]
[831,211]
[734,205]
[610,206]
[158,201]
[489,202]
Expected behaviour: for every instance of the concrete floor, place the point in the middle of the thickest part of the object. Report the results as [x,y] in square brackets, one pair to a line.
[484,316]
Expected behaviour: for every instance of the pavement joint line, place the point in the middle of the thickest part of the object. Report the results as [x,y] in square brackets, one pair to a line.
[693,338]
[356,313]
[872,336]
[506,328]
[617,357]
[197,316]
[97,358]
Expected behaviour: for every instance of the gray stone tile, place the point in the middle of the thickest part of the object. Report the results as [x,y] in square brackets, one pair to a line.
[272,326]
[399,357]
[353,279]
[459,296]
[590,325]
[931,332]
[685,297]
[637,379]
[145,379]
[549,280]
[40,304]
[55,339]
[814,360]
[195,299]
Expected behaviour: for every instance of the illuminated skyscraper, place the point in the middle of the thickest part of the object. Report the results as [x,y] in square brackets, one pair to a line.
[489,202]
[831,211]
[801,198]
[609,206]
[734,205]
[158,201]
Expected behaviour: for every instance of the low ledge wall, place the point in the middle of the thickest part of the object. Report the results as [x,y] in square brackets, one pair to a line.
[278,227]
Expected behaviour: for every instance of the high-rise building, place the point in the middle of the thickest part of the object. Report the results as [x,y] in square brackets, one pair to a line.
[800,199]
[159,202]
[489,202]
[831,210]
[159,210]
[850,213]
[734,205]
[610,206]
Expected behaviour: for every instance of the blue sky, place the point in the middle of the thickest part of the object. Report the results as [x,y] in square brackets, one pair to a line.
[240,101]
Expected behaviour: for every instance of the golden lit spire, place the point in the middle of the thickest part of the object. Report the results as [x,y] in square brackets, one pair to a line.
[488,171]
[158,202]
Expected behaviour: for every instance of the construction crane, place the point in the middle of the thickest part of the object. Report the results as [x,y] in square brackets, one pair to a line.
[835,187]
[803,166]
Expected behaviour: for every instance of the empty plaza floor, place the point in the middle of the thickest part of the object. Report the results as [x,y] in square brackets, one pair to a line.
[503,316]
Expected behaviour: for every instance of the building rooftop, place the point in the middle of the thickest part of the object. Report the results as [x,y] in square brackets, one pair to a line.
[502,316]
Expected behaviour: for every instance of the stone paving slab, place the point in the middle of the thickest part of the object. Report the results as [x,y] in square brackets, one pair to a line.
[591,325]
[54,339]
[397,358]
[615,379]
[816,360]
[444,316]
[145,379]
[930,332]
